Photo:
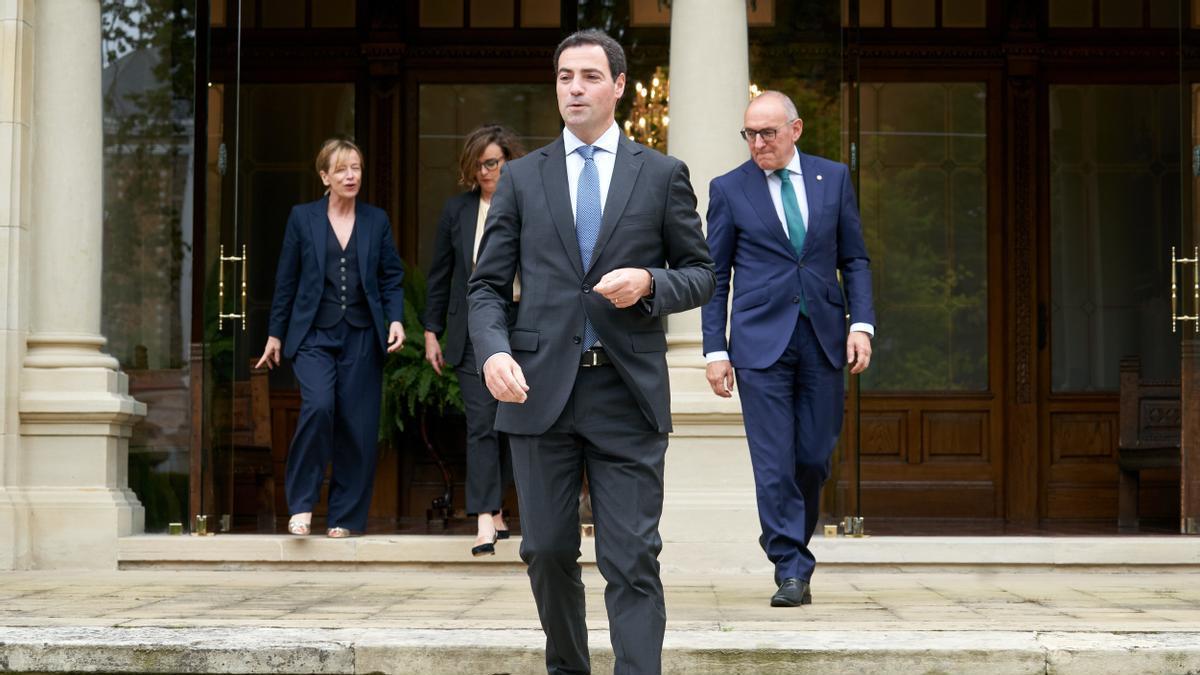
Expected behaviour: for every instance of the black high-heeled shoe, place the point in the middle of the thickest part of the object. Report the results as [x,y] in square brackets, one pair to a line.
[502,534]
[485,549]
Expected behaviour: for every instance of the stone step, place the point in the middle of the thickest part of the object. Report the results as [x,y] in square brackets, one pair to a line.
[715,652]
[419,551]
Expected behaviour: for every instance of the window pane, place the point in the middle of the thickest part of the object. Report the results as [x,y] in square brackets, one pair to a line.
[492,13]
[923,193]
[448,112]
[333,14]
[870,13]
[644,13]
[146,312]
[1114,205]
[441,14]
[964,14]
[913,13]
[282,14]
[1120,13]
[541,13]
[1164,13]
[1071,13]
[216,13]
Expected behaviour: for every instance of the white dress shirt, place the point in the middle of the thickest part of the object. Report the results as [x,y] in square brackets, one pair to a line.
[605,158]
[775,187]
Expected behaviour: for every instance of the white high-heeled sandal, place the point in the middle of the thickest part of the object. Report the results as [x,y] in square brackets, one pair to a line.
[300,526]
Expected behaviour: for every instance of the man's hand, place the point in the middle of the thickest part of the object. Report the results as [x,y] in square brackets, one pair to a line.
[624,287]
[505,379]
[720,378]
[433,352]
[270,357]
[395,336]
[858,351]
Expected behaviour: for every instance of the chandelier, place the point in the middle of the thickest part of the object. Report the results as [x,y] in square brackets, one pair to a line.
[649,114]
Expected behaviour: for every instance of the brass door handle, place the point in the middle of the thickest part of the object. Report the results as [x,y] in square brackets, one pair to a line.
[221,286]
[1176,317]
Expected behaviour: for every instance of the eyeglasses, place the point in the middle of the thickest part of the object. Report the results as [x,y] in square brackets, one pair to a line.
[767,135]
[490,164]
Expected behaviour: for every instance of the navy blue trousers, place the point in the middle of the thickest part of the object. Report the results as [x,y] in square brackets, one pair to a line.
[792,410]
[340,370]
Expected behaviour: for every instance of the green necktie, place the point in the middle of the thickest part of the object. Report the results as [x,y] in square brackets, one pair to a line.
[795,219]
[791,211]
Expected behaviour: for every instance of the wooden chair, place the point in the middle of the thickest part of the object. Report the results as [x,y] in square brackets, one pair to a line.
[1149,435]
[253,471]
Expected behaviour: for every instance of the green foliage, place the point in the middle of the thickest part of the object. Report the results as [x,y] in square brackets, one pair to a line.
[411,387]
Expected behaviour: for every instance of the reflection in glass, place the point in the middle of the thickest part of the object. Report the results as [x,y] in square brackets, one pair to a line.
[923,195]
[147,87]
[1114,202]
[448,113]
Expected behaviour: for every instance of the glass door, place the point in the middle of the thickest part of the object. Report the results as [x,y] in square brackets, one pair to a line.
[1185,288]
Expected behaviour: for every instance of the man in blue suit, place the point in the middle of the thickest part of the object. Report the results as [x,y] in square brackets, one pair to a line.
[787,223]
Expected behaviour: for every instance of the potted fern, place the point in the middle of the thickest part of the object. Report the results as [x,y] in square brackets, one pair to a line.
[413,393]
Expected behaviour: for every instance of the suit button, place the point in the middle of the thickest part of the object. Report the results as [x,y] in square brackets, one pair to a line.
[577,339]
[796,300]
[801,265]
[587,289]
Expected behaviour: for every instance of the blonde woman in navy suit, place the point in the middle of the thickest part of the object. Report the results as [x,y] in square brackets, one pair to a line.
[338,307]
[459,232]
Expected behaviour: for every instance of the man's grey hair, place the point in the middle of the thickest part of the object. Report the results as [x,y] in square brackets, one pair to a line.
[788,106]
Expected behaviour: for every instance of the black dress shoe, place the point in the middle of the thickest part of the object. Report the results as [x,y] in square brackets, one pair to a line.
[484,549]
[792,592]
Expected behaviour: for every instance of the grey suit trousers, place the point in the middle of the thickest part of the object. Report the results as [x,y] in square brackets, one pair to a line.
[603,432]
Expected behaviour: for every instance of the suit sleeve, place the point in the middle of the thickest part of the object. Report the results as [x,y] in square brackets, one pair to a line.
[688,280]
[489,291]
[441,272]
[391,276]
[852,257]
[722,244]
[287,276]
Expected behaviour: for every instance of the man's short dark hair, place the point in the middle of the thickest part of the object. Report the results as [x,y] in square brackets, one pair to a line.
[594,36]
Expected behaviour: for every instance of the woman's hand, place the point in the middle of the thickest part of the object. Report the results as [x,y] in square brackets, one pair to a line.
[433,352]
[395,336]
[270,357]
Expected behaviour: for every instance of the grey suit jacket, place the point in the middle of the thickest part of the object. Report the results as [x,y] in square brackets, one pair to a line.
[650,221]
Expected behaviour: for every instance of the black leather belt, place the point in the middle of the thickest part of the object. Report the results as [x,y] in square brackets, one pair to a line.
[594,357]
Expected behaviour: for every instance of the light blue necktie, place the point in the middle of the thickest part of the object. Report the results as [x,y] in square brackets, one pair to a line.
[587,222]
[794,217]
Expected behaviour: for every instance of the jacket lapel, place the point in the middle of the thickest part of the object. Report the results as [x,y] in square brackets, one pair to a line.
[626,166]
[468,218]
[319,228]
[758,194]
[558,198]
[362,233]
[814,191]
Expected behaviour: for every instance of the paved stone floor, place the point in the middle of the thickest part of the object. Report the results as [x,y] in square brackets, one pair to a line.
[891,608]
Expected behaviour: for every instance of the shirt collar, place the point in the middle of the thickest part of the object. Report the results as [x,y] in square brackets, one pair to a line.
[792,167]
[607,141]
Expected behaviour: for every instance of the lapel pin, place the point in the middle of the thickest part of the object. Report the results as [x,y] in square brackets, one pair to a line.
[818,176]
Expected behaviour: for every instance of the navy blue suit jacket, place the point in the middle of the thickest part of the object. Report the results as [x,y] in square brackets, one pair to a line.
[746,235]
[300,277]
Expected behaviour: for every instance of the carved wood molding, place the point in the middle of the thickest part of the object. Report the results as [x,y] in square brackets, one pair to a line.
[1147,52]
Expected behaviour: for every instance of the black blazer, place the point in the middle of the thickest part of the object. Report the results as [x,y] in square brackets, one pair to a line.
[446,292]
[650,221]
[300,277]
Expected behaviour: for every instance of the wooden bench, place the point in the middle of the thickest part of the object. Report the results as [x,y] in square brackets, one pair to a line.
[1149,435]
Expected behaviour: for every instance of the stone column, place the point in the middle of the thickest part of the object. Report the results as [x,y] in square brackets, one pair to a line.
[16,114]
[710,521]
[75,411]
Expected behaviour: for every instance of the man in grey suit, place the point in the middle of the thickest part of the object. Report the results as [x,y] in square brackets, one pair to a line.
[608,241]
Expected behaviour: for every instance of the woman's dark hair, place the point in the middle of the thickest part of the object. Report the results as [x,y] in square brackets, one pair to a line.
[477,142]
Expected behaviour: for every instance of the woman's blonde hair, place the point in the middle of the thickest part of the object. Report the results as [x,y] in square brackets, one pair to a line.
[334,148]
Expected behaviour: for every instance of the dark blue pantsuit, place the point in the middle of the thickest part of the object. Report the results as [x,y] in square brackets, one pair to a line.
[793,413]
[340,373]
